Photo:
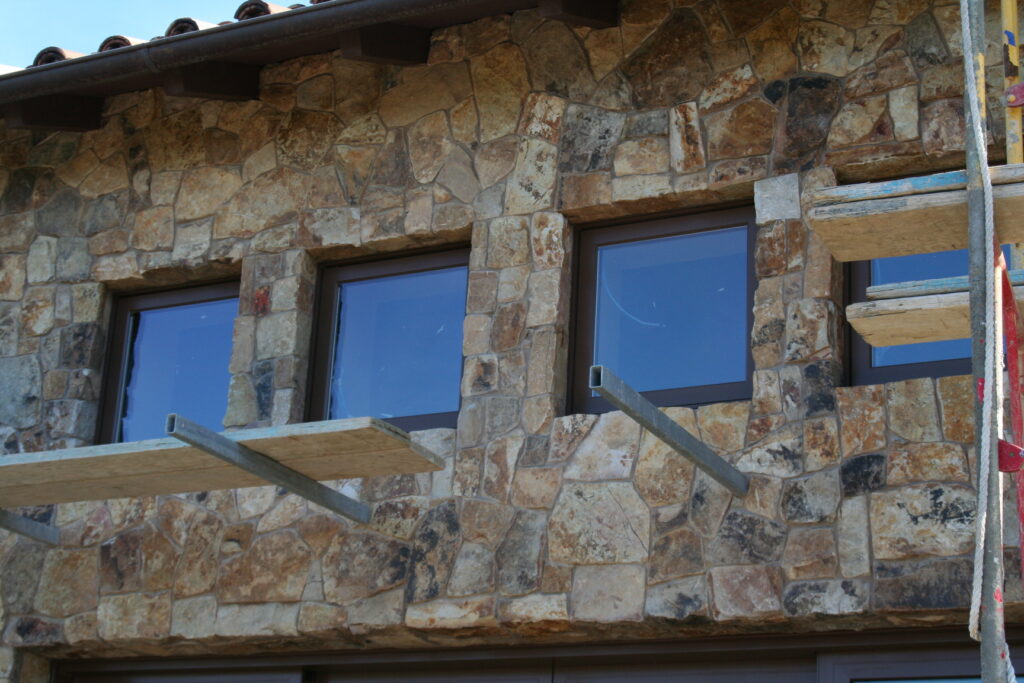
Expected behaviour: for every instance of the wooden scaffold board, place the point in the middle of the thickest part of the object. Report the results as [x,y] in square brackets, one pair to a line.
[323,451]
[910,216]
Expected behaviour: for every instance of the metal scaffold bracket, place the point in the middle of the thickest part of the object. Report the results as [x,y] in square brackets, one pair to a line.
[265,468]
[23,526]
[628,400]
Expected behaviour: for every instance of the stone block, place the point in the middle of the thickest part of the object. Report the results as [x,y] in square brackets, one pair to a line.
[598,523]
[608,593]
[809,598]
[777,198]
[750,592]
[922,519]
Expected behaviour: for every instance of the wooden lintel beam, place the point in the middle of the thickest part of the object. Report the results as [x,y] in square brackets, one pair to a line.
[57,113]
[593,13]
[387,44]
[215,80]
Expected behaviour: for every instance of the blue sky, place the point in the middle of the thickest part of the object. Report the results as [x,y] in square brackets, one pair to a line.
[81,25]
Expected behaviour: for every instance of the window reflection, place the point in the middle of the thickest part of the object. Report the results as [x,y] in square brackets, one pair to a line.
[672,311]
[178,362]
[399,345]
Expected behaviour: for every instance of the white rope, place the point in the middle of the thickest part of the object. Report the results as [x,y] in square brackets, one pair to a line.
[992,395]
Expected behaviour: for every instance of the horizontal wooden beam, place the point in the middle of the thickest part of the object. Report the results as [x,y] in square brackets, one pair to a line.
[57,113]
[215,80]
[906,224]
[887,189]
[387,44]
[323,451]
[594,13]
[910,320]
[897,290]
[265,468]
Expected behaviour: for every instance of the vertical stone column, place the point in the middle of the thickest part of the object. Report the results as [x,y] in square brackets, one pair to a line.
[270,355]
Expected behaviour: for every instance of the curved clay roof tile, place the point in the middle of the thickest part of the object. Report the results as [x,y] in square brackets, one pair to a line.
[114,42]
[51,55]
[186,25]
[250,9]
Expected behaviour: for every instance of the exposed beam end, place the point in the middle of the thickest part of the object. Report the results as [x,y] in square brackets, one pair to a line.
[387,44]
[215,80]
[593,13]
[57,113]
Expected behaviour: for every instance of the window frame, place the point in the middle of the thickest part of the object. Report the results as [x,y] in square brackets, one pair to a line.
[125,306]
[327,319]
[588,240]
[862,372]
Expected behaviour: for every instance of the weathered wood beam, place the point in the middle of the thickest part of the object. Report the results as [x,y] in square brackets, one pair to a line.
[933,317]
[387,44]
[323,451]
[215,80]
[593,13]
[897,290]
[57,113]
[266,468]
[911,224]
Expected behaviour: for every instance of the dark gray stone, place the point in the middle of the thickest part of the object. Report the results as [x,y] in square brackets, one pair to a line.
[819,390]
[18,195]
[104,213]
[434,548]
[673,65]
[924,42]
[502,415]
[677,600]
[20,399]
[745,538]
[556,62]
[535,452]
[393,167]
[812,499]
[9,324]
[68,417]
[81,346]
[29,631]
[923,584]
[519,555]
[841,596]
[73,260]
[60,215]
[589,137]
[55,150]
[19,577]
[811,103]
[675,554]
[646,123]
[862,474]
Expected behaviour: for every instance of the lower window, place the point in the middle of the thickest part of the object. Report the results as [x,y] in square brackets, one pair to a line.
[667,306]
[169,353]
[389,340]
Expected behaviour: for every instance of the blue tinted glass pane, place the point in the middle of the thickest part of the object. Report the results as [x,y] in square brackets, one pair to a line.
[179,364]
[672,311]
[399,347]
[921,267]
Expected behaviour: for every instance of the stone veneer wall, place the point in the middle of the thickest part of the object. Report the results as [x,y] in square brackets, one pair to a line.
[543,526]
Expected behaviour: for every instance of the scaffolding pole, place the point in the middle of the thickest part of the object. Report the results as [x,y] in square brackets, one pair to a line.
[993,666]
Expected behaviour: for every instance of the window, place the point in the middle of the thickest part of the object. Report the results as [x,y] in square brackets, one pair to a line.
[169,353]
[389,340]
[906,361]
[667,305]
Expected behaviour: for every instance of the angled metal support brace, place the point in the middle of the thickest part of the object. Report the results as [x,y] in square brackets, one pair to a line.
[628,400]
[44,533]
[265,468]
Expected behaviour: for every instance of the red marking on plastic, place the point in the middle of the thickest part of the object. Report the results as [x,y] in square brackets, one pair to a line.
[1014,95]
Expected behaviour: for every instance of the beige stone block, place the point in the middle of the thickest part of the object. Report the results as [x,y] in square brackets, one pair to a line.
[501,82]
[545,296]
[922,519]
[746,592]
[608,451]
[608,594]
[643,156]
[512,283]
[599,523]
[194,618]
[135,616]
[451,614]
[536,487]
[42,257]
[912,409]
[12,276]
[203,191]
[268,619]
[862,418]
[531,186]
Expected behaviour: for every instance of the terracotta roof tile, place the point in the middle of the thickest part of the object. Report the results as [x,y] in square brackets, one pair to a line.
[50,55]
[187,25]
[115,42]
[250,9]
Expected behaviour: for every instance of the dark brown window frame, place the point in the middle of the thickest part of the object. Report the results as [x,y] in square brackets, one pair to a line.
[119,347]
[861,370]
[325,326]
[584,304]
